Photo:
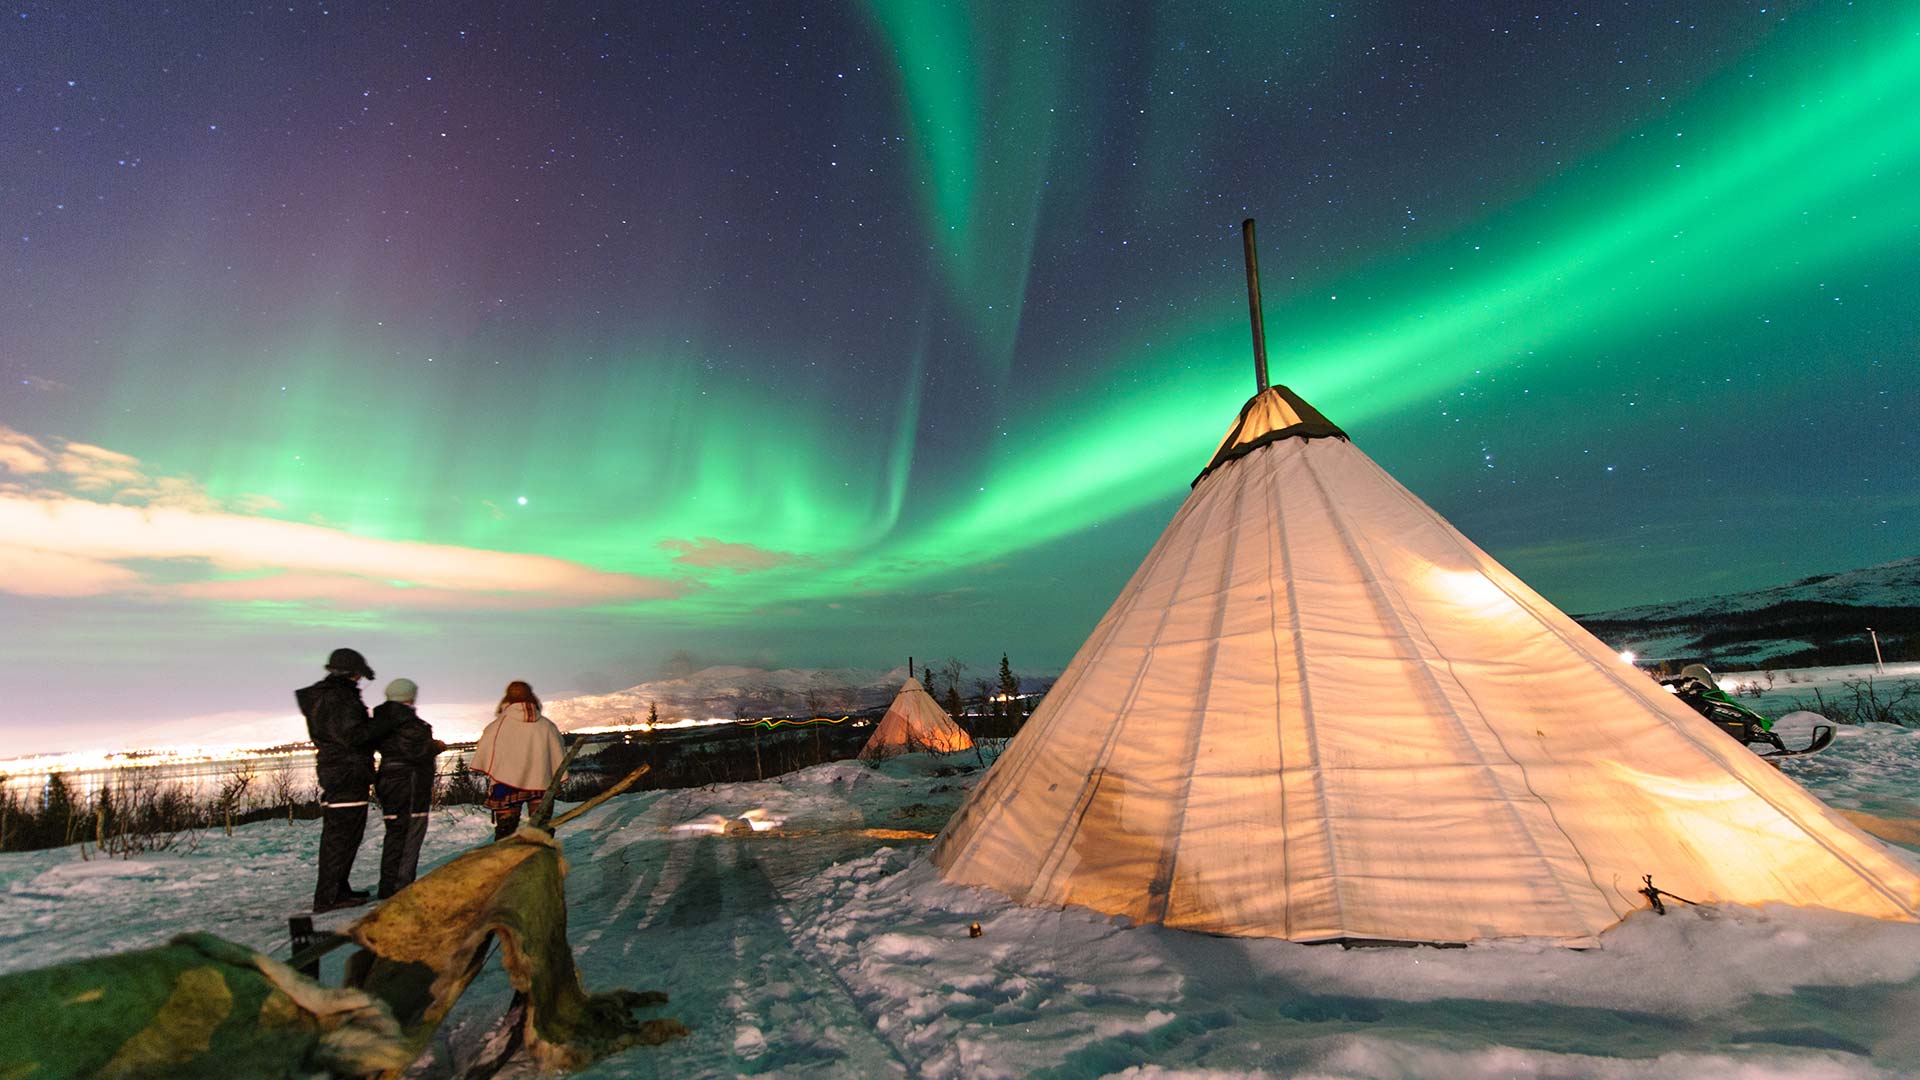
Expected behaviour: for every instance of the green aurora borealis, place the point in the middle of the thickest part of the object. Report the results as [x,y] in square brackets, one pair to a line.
[902,328]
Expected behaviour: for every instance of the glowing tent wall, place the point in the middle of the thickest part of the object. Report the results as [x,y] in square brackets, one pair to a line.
[1317,711]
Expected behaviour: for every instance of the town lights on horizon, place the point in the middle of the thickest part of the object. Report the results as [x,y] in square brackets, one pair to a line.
[1628,655]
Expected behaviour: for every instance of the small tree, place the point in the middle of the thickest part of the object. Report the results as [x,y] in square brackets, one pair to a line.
[1009,688]
[463,786]
[653,736]
[106,817]
[57,812]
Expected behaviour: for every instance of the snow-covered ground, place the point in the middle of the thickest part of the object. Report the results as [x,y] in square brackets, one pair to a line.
[801,933]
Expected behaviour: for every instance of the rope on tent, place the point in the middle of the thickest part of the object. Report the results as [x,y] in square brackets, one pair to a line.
[1653,895]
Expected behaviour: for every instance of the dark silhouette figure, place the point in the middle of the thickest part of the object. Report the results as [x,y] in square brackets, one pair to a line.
[337,723]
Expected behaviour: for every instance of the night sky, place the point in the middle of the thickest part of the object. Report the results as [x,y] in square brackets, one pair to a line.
[550,341]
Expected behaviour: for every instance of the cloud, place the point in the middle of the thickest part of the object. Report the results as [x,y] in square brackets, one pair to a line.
[58,545]
[186,495]
[87,521]
[93,468]
[33,572]
[23,454]
[718,554]
[256,504]
[75,466]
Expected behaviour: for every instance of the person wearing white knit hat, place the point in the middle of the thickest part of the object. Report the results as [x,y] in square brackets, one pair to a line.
[404,783]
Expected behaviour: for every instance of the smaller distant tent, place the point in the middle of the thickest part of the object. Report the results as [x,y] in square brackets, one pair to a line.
[914,724]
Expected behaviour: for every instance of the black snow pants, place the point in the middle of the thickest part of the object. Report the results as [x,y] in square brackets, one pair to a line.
[343,823]
[400,852]
[406,796]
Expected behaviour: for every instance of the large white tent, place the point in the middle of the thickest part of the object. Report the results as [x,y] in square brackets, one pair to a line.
[1318,712]
[914,724]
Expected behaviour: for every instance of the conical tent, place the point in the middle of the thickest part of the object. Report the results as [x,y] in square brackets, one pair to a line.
[914,724]
[1318,712]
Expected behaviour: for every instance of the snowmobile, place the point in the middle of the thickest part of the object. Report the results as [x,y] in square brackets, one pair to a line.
[1695,686]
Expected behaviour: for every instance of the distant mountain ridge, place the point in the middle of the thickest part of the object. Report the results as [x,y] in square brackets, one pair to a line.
[1814,621]
[728,690]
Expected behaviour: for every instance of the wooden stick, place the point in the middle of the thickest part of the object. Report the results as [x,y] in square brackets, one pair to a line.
[600,798]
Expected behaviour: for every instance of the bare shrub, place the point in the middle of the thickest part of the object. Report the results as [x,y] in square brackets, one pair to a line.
[283,788]
[1862,701]
[149,815]
[231,796]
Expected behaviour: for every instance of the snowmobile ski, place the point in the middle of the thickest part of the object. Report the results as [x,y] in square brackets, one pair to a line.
[1822,738]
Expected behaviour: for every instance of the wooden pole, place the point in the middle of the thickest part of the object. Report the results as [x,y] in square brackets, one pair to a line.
[544,810]
[616,789]
[1253,308]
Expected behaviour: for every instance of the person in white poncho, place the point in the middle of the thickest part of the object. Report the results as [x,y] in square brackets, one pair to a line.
[519,751]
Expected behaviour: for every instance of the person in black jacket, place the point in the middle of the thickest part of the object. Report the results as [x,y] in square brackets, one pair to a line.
[404,783]
[337,723]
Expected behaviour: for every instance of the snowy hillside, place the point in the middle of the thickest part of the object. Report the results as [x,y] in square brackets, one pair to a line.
[728,691]
[818,943]
[1815,621]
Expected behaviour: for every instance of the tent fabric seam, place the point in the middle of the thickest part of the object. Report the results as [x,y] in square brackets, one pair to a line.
[1096,774]
[1386,607]
[1203,695]
[1307,729]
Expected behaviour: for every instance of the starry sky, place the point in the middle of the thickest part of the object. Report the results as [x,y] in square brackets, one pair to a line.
[577,342]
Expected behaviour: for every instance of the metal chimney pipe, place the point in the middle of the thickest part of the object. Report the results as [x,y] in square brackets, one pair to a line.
[1253,308]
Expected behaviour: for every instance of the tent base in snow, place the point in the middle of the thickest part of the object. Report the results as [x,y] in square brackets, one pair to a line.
[1318,712]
